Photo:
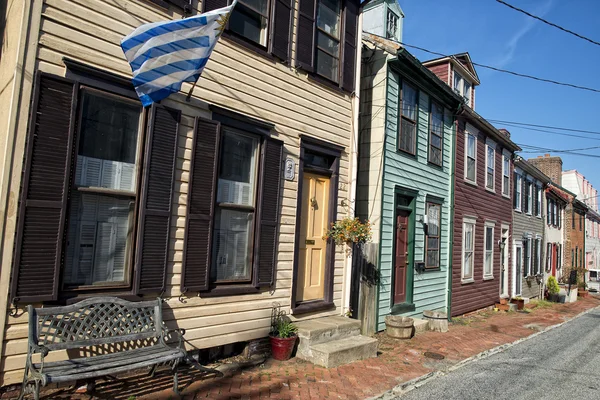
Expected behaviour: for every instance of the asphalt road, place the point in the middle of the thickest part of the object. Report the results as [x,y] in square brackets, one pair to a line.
[563,363]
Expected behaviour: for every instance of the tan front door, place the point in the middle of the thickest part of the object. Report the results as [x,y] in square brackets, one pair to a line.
[314,222]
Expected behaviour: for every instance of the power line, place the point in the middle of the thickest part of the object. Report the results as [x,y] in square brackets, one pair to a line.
[535,149]
[580,149]
[550,132]
[571,85]
[549,23]
[543,126]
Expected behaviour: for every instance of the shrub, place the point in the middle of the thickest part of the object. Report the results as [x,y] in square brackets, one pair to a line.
[552,286]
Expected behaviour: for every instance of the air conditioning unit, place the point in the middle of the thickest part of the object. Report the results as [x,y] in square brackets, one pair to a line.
[95,172]
[234,192]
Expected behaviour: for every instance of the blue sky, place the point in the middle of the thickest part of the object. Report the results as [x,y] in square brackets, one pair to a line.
[496,35]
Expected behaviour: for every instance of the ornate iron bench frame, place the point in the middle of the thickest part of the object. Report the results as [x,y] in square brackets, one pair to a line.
[100,321]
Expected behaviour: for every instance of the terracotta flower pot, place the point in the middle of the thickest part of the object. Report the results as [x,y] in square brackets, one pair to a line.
[582,293]
[281,348]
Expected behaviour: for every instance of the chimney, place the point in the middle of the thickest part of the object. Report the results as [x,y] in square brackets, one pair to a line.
[549,165]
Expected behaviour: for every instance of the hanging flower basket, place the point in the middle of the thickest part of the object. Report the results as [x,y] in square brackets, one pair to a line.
[349,231]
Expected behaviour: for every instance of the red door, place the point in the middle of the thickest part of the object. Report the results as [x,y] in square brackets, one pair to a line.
[401,257]
[554,259]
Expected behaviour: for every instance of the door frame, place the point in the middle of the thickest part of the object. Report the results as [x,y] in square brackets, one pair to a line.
[505,260]
[517,244]
[317,146]
[411,196]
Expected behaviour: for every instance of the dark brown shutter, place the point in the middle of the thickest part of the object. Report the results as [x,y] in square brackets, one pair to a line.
[210,5]
[156,199]
[43,206]
[200,206]
[524,195]
[305,48]
[349,62]
[280,39]
[265,248]
[515,190]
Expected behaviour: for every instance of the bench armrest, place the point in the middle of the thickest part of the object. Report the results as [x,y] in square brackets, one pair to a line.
[43,350]
[180,332]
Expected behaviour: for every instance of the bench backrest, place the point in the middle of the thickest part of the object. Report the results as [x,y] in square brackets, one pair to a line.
[94,321]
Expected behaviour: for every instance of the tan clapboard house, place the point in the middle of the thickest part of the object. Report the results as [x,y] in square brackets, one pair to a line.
[217,204]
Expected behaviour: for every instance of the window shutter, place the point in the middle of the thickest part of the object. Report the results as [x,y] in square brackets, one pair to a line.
[349,62]
[156,199]
[280,34]
[210,5]
[265,248]
[305,48]
[43,205]
[200,206]
[515,190]
[524,194]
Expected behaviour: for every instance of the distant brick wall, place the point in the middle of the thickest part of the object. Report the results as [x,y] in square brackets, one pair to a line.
[574,241]
[551,166]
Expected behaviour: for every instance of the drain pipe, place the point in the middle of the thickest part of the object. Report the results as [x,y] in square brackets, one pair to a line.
[452,201]
[355,104]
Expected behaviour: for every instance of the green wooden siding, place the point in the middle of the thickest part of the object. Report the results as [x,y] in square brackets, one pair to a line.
[414,173]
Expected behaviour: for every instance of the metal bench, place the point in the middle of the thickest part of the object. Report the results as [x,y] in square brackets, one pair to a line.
[91,324]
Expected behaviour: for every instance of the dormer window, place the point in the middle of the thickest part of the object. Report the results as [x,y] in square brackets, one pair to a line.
[462,87]
[392,25]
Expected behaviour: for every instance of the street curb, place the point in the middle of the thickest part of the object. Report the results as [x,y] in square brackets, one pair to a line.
[415,383]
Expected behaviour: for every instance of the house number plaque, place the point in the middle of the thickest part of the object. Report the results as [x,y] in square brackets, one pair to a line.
[290,169]
[309,242]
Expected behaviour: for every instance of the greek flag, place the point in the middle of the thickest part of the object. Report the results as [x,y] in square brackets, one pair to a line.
[163,55]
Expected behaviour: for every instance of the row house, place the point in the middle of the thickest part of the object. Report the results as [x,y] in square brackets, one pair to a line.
[404,187]
[556,203]
[528,229]
[483,211]
[186,199]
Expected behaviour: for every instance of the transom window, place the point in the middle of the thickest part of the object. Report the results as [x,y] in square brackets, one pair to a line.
[250,19]
[468,249]
[408,119]
[235,211]
[462,87]
[436,134]
[505,175]
[434,212]
[490,167]
[328,39]
[488,266]
[471,157]
[392,25]
[102,206]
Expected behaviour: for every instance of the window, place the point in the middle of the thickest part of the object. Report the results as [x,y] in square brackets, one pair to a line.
[462,87]
[436,130]
[408,119]
[250,19]
[548,256]
[235,212]
[505,175]
[434,212]
[471,157]
[559,257]
[573,257]
[573,219]
[538,201]
[490,162]
[549,211]
[392,25]
[488,265]
[518,190]
[580,257]
[101,217]
[527,257]
[468,249]
[527,194]
[518,268]
[328,39]
[538,256]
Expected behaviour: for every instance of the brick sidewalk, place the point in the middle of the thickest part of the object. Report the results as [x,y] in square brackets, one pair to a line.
[398,361]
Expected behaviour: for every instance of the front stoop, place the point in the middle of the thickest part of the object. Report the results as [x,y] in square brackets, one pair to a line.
[333,341]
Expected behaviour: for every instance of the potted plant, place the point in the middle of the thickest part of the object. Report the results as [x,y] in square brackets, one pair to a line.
[519,301]
[553,289]
[349,231]
[283,337]
[582,289]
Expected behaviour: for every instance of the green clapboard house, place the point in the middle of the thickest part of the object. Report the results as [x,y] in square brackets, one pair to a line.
[406,151]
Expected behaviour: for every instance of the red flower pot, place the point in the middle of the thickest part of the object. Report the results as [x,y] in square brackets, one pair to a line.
[281,348]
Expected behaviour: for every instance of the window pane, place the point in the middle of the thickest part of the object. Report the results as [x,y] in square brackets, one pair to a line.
[457,83]
[435,155]
[471,146]
[488,263]
[327,66]
[468,237]
[407,136]
[470,169]
[437,119]
[248,23]
[108,143]
[490,179]
[490,158]
[328,44]
[506,166]
[98,239]
[467,92]
[432,258]
[392,24]
[328,17]
[409,102]
[433,223]
[232,245]
[237,176]
[489,237]
[436,141]
[259,5]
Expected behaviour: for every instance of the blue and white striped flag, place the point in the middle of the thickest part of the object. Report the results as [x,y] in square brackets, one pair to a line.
[163,55]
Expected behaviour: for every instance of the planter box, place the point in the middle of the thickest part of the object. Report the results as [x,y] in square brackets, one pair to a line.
[503,307]
[520,303]
[582,293]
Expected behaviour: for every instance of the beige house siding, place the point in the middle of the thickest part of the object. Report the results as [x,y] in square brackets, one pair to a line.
[235,78]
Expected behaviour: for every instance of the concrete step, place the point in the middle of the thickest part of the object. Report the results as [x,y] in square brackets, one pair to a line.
[324,329]
[342,351]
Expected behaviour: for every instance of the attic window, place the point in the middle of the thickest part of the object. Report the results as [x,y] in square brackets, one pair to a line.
[462,87]
[392,25]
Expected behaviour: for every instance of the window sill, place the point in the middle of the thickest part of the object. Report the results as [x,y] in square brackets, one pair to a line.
[493,191]
[470,182]
[230,290]
[436,166]
[488,278]
[467,281]
[517,210]
[432,269]
[325,82]
[402,308]
[506,196]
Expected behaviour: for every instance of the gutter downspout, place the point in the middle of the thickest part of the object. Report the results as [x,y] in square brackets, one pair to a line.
[452,201]
[355,104]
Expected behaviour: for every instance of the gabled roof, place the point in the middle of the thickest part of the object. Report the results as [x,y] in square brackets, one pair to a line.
[460,60]
[490,130]
[560,192]
[531,170]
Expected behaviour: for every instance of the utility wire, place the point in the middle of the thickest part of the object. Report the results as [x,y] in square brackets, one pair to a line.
[580,149]
[549,132]
[543,126]
[549,23]
[571,85]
